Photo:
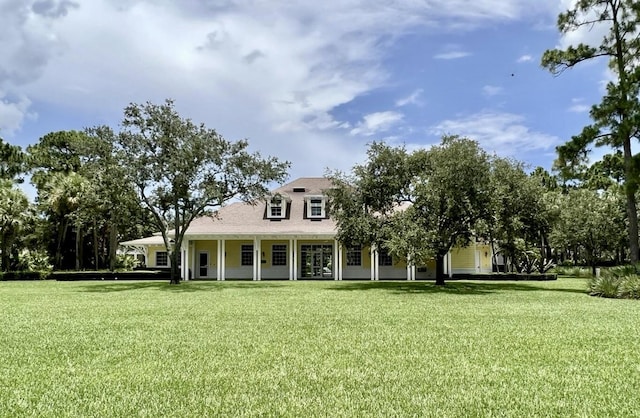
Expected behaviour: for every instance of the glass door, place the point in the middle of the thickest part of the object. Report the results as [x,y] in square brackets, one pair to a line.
[317,261]
[203,264]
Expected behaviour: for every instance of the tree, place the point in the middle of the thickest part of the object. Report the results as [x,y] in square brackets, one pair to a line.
[519,220]
[616,117]
[182,171]
[13,211]
[416,205]
[591,222]
[12,161]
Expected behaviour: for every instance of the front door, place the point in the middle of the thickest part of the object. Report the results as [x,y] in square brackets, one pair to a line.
[203,264]
[317,261]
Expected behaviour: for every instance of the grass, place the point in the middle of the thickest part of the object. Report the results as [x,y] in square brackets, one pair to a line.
[472,349]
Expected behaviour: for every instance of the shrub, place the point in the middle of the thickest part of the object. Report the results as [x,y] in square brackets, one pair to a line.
[629,287]
[126,262]
[30,260]
[605,286]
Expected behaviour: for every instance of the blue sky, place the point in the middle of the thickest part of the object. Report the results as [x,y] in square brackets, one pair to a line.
[309,82]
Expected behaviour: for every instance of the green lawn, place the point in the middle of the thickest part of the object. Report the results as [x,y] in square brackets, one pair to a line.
[316,349]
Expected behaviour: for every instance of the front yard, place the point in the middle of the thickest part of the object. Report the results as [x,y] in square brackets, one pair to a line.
[316,349]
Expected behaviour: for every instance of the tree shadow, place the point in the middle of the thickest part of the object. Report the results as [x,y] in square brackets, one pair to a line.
[451,287]
[191,286]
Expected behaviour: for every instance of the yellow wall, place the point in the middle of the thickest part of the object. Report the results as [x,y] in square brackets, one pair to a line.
[211,246]
[463,258]
[266,247]
[234,252]
[152,254]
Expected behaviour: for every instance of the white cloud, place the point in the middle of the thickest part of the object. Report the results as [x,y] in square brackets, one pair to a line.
[525,58]
[413,98]
[375,123]
[273,73]
[13,113]
[489,90]
[451,55]
[503,133]
[578,106]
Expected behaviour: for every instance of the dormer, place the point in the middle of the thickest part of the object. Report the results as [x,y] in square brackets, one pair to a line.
[277,207]
[316,207]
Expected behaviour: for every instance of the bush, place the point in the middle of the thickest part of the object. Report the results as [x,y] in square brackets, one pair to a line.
[605,286]
[126,262]
[25,275]
[629,287]
[38,261]
[617,282]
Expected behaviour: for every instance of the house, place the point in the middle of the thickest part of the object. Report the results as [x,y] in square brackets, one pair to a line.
[290,236]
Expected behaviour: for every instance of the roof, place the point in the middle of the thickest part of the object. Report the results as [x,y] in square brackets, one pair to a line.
[249,218]
[152,240]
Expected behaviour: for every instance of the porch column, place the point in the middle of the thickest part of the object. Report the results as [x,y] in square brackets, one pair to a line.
[409,269]
[218,259]
[413,272]
[184,258]
[257,259]
[294,259]
[223,259]
[449,266]
[291,268]
[376,258]
[372,260]
[337,261]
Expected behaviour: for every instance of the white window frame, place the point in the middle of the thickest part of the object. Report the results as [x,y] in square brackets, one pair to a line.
[277,201]
[311,206]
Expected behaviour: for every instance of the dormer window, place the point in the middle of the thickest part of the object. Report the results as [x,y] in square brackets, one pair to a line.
[316,207]
[276,207]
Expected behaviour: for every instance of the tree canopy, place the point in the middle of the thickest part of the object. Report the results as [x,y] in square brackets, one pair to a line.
[181,170]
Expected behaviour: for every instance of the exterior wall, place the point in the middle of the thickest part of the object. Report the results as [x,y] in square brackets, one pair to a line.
[427,271]
[210,247]
[233,264]
[269,271]
[361,272]
[396,271]
[151,262]
[463,260]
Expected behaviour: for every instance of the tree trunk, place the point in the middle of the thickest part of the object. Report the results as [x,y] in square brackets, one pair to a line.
[78,248]
[175,268]
[113,244]
[95,245]
[440,276]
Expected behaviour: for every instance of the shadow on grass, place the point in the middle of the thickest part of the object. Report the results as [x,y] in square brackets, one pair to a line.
[452,287]
[423,287]
[184,287]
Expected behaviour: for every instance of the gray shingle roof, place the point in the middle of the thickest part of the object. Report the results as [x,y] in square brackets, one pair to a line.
[249,219]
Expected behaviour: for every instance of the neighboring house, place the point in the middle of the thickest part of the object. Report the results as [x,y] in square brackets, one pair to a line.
[290,236]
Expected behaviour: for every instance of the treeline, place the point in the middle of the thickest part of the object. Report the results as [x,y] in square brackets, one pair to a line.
[421,204]
[84,206]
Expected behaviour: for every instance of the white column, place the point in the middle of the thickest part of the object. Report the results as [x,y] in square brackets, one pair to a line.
[336,261]
[257,259]
[295,259]
[291,268]
[185,260]
[376,257]
[372,258]
[223,259]
[449,264]
[409,269]
[413,272]
[219,260]
[340,261]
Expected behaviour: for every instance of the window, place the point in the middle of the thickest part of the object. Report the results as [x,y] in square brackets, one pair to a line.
[276,207]
[315,207]
[246,255]
[162,260]
[354,256]
[384,258]
[279,255]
